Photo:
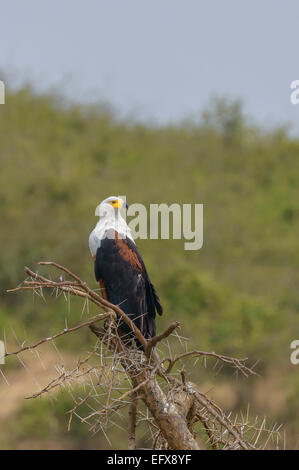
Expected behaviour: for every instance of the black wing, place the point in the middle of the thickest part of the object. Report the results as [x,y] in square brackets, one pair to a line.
[121,272]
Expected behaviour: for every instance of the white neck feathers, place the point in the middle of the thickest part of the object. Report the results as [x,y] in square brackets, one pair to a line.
[108,222]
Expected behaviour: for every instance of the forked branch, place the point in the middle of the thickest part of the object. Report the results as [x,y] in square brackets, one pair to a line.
[174,406]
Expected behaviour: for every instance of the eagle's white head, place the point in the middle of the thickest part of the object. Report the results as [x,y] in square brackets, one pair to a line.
[110,219]
[111,206]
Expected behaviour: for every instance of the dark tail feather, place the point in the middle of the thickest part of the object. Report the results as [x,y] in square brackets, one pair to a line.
[149,327]
[156,300]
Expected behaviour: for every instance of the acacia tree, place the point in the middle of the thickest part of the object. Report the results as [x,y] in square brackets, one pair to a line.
[174,406]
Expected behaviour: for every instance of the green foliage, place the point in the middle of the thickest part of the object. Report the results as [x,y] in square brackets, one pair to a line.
[237,295]
[44,418]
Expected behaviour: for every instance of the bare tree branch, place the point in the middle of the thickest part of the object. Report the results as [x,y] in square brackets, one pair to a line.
[174,406]
[132,422]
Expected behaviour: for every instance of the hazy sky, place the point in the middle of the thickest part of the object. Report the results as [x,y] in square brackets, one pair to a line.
[158,59]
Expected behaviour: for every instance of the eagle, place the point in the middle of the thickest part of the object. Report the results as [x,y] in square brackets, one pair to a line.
[120,270]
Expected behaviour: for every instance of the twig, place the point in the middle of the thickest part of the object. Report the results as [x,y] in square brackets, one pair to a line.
[57,335]
[156,339]
[238,363]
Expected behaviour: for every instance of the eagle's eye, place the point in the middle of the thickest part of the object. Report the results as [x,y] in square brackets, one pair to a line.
[113,202]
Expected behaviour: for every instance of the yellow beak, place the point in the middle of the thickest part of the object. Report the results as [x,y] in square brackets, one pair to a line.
[118,204]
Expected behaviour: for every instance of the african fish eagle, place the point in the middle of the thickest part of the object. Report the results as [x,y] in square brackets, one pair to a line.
[120,270]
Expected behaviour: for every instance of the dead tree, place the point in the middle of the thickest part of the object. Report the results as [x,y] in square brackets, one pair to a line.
[174,406]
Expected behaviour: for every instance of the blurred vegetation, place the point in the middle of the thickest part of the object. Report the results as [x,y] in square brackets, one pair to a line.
[238,295]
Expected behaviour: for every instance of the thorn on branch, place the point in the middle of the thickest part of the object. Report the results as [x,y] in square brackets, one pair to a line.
[182,404]
[156,339]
